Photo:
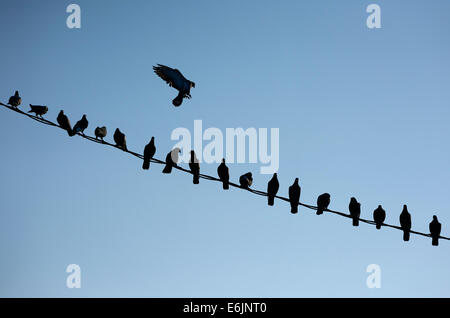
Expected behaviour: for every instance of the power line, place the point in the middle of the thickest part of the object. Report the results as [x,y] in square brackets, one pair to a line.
[208,177]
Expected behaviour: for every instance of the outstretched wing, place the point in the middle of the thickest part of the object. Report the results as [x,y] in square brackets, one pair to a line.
[171,76]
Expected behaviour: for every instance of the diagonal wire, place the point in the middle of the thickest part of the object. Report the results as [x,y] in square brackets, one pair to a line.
[208,177]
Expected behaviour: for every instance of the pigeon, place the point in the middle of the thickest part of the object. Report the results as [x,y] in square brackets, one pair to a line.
[322,203]
[355,210]
[195,167]
[405,223]
[120,140]
[15,100]
[175,79]
[379,215]
[435,230]
[246,180]
[272,189]
[38,110]
[171,160]
[100,132]
[64,123]
[149,152]
[294,196]
[81,125]
[224,175]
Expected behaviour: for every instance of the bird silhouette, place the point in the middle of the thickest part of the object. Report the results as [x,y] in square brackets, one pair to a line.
[405,223]
[15,100]
[272,189]
[171,160]
[323,201]
[149,152]
[224,175]
[379,215]
[64,123]
[195,167]
[100,132]
[120,140]
[246,180]
[435,230]
[175,79]
[38,110]
[294,196]
[81,125]
[355,210]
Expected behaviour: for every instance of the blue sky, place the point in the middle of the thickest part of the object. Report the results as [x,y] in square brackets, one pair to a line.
[361,113]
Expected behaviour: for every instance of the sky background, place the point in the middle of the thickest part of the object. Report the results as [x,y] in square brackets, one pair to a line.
[361,113]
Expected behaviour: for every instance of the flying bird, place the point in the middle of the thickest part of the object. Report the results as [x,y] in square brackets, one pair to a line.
[224,175]
[100,132]
[64,123]
[435,230]
[149,152]
[171,160]
[272,189]
[405,223]
[355,210]
[120,140]
[323,201]
[246,180]
[294,196]
[15,100]
[175,79]
[38,110]
[195,167]
[81,125]
[379,215]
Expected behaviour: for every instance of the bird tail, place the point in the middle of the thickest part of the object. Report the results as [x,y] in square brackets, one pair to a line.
[195,179]
[226,185]
[294,208]
[435,241]
[319,211]
[378,226]
[270,200]
[167,169]
[355,221]
[405,236]
[70,132]
[146,165]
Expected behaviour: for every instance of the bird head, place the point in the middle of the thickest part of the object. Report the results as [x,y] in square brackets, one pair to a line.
[177,101]
[16,94]
[192,85]
[435,218]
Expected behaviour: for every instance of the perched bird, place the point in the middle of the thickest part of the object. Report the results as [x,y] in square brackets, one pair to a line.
[175,79]
[81,125]
[100,132]
[405,222]
[246,180]
[379,215]
[15,100]
[64,123]
[149,152]
[171,160]
[38,110]
[272,189]
[435,230]
[355,210]
[294,196]
[120,140]
[195,167]
[224,175]
[323,201]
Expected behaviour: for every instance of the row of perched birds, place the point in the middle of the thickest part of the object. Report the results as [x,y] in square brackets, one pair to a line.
[245,181]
